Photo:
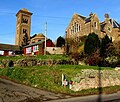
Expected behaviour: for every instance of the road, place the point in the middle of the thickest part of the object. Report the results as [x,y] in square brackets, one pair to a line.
[14,92]
[92,98]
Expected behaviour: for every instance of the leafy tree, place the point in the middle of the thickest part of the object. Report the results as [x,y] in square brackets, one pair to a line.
[92,43]
[60,42]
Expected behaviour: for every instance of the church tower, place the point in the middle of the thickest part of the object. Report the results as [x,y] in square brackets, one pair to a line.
[23,26]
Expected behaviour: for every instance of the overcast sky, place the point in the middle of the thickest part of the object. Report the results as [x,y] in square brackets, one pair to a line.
[57,13]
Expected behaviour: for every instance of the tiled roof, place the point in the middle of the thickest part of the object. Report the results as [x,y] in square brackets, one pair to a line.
[9,47]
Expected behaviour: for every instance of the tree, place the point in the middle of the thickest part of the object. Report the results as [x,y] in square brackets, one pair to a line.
[60,42]
[92,43]
[117,47]
[105,43]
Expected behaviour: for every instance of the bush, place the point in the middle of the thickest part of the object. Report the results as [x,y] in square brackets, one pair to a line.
[112,61]
[94,59]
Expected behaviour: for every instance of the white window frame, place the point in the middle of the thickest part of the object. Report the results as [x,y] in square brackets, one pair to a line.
[28,50]
[35,48]
[1,52]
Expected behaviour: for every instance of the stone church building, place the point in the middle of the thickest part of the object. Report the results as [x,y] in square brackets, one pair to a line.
[80,26]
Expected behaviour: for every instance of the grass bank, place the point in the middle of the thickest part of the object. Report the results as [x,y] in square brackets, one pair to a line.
[54,57]
[49,78]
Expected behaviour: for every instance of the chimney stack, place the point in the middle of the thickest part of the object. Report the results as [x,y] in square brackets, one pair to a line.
[106,15]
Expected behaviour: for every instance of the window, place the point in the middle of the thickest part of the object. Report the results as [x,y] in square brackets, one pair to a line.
[11,53]
[95,24]
[28,50]
[109,29]
[35,48]
[73,29]
[71,32]
[79,27]
[1,52]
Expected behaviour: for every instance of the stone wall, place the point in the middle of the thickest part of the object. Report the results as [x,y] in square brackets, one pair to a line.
[30,62]
[55,50]
[89,78]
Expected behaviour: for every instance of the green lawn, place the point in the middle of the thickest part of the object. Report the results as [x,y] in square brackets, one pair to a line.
[49,77]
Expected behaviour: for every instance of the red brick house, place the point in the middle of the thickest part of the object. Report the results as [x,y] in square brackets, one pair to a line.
[38,47]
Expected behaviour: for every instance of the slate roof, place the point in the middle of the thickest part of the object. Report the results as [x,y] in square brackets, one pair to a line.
[36,43]
[8,47]
[82,17]
[87,19]
[39,42]
[114,23]
[33,36]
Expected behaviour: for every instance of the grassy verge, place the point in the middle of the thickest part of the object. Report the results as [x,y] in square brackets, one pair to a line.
[49,78]
[35,57]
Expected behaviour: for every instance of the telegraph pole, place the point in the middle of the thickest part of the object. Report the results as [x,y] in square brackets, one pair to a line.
[45,38]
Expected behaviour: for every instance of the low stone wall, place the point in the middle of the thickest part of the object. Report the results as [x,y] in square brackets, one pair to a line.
[5,63]
[94,79]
